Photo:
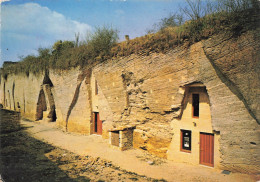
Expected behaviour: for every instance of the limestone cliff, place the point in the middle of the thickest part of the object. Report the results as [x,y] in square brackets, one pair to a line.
[147,92]
[236,61]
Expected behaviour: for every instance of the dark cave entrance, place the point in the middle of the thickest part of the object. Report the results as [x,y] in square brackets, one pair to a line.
[46,102]
[41,105]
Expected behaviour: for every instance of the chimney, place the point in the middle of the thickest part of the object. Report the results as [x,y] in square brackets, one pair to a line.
[127,38]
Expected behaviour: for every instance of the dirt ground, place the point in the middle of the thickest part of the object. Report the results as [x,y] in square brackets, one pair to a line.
[24,158]
[40,152]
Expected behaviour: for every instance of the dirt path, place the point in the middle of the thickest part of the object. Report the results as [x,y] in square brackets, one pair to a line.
[24,158]
[131,160]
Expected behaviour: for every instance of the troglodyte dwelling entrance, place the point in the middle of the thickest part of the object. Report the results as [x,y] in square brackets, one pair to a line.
[46,105]
[207,149]
[194,140]
[41,105]
[97,124]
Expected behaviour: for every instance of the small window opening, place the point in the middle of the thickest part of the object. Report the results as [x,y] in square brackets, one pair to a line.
[195,105]
[185,140]
[18,106]
[96,88]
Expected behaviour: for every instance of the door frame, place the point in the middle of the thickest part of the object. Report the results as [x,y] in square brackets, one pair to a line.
[207,148]
[97,124]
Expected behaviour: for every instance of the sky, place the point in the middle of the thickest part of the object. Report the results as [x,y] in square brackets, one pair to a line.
[27,25]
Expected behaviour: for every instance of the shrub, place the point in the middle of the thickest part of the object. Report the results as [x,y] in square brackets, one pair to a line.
[66,54]
[173,20]
[100,42]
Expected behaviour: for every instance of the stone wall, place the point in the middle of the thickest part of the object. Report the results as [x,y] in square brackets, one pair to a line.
[236,61]
[121,139]
[235,109]
[20,93]
[71,98]
[68,94]
[147,92]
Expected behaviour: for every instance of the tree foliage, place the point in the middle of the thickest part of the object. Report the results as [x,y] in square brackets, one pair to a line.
[173,20]
[101,41]
[67,54]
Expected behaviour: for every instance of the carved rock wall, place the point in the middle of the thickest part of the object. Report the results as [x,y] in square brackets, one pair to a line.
[147,92]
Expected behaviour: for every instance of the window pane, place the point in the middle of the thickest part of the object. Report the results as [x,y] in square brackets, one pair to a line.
[195,104]
[186,139]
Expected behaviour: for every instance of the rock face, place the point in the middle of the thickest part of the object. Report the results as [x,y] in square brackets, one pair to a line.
[148,93]
[21,92]
[236,61]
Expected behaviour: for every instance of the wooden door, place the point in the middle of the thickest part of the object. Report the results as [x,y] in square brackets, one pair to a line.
[207,149]
[97,124]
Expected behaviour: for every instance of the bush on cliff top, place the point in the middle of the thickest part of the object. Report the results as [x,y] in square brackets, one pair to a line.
[231,17]
[67,54]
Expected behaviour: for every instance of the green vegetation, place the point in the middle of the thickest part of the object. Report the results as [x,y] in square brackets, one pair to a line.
[203,19]
[67,54]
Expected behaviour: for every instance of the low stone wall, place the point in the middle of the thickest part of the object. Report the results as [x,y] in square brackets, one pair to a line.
[121,138]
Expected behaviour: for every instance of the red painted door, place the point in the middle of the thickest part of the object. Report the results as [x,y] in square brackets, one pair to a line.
[207,149]
[97,124]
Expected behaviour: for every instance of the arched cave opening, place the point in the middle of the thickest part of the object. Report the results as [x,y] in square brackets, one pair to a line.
[41,105]
[47,89]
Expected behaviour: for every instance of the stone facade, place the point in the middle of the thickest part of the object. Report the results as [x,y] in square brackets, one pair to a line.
[196,125]
[149,93]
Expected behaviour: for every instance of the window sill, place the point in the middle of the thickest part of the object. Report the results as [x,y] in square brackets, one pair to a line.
[187,151]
